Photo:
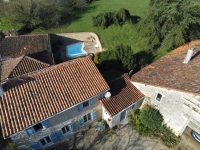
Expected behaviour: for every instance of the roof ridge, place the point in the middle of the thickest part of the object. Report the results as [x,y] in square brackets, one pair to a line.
[16,64]
[122,76]
[45,70]
[36,60]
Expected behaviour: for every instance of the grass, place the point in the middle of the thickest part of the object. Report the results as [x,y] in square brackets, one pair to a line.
[113,35]
[82,22]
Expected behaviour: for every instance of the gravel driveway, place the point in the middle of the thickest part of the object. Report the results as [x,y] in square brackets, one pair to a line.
[119,139]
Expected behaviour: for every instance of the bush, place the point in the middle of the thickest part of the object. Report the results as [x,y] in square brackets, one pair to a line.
[151,118]
[168,137]
[106,19]
[137,124]
[148,121]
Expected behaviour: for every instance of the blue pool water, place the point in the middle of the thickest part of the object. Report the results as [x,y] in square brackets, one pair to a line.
[75,50]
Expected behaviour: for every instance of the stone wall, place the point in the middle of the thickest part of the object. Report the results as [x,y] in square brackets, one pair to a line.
[56,122]
[177,107]
[115,120]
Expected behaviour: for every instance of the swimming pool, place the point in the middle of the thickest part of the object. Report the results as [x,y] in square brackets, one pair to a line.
[75,50]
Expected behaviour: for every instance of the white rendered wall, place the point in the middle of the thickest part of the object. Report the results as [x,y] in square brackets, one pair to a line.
[177,107]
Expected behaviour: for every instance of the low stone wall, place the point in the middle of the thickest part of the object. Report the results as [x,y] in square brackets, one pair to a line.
[84,36]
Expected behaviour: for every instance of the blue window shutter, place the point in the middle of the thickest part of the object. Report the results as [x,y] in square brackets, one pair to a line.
[29,131]
[59,135]
[73,128]
[122,116]
[46,124]
[80,107]
[92,101]
[37,146]
[81,122]
[94,114]
[54,137]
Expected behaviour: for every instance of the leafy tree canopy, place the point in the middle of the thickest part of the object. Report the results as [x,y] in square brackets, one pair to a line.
[106,19]
[170,23]
[122,58]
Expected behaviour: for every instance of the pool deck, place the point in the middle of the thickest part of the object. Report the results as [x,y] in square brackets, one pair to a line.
[89,40]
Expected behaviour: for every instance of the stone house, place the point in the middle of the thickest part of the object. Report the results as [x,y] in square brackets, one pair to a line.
[42,103]
[125,98]
[40,108]
[173,87]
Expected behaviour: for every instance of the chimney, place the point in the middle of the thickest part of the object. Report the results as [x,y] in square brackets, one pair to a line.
[189,55]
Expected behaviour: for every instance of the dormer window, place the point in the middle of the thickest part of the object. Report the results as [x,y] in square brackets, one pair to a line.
[85,104]
[38,127]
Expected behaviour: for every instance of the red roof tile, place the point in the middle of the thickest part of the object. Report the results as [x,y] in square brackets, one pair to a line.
[23,45]
[37,96]
[19,66]
[123,94]
[170,72]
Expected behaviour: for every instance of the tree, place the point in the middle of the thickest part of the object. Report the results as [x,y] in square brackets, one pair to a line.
[33,13]
[108,18]
[121,58]
[25,12]
[170,23]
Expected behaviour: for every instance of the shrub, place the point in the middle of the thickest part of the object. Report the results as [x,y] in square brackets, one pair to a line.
[151,118]
[106,19]
[137,124]
[148,121]
[167,136]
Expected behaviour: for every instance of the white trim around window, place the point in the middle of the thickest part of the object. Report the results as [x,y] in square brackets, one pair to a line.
[87,118]
[158,96]
[66,130]
[46,141]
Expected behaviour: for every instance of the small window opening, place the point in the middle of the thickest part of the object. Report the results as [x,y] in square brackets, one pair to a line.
[159,97]
[38,127]
[85,104]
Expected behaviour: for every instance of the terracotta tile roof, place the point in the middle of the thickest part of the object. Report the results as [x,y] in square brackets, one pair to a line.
[23,45]
[8,66]
[19,66]
[37,96]
[170,72]
[123,94]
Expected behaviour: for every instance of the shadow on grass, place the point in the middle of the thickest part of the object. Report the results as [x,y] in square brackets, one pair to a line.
[135,19]
[76,14]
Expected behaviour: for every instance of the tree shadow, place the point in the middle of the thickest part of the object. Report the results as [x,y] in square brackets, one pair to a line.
[110,64]
[143,58]
[135,19]
[76,14]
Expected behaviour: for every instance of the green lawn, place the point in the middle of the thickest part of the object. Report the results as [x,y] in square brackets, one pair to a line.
[113,35]
[110,37]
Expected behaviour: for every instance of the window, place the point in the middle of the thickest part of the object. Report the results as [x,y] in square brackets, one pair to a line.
[66,129]
[87,118]
[45,141]
[85,104]
[38,127]
[158,97]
